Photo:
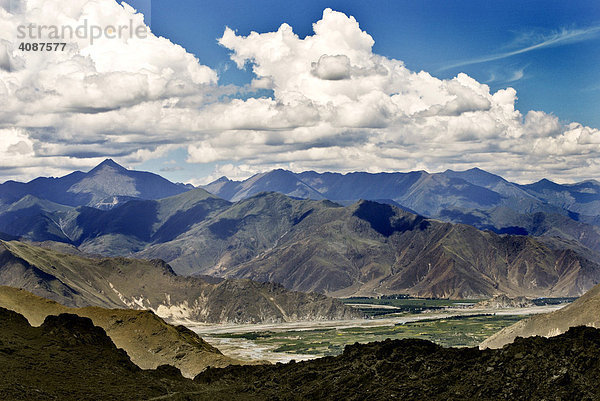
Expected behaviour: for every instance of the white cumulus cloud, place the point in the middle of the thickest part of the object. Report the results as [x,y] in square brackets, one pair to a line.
[94,98]
[336,105]
[372,113]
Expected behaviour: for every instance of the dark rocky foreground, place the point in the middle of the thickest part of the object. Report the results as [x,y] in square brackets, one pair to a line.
[67,358]
[562,368]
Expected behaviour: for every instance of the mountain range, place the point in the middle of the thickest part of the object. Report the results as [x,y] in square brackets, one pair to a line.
[320,232]
[105,186]
[363,249]
[423,192]
[77,281]
[113,252]
[473,197]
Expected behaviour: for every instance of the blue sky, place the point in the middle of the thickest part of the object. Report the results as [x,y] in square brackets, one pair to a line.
[441,37]
[512,87]
[563,79]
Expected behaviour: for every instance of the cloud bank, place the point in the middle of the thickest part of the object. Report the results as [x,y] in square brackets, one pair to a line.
[336,105]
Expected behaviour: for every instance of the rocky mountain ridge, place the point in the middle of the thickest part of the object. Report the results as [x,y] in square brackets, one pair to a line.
[474,197]
[364,249]
[346,248]
[584,311]
[78,281]
[147,339]
[105,186]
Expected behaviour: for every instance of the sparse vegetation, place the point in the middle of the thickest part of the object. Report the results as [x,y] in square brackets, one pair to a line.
[467,331]
[404,304]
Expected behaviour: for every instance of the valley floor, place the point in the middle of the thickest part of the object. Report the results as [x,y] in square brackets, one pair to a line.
[282,342]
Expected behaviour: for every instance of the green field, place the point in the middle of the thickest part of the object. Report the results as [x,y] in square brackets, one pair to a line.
[405,305]
[406,302]
[456,332]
